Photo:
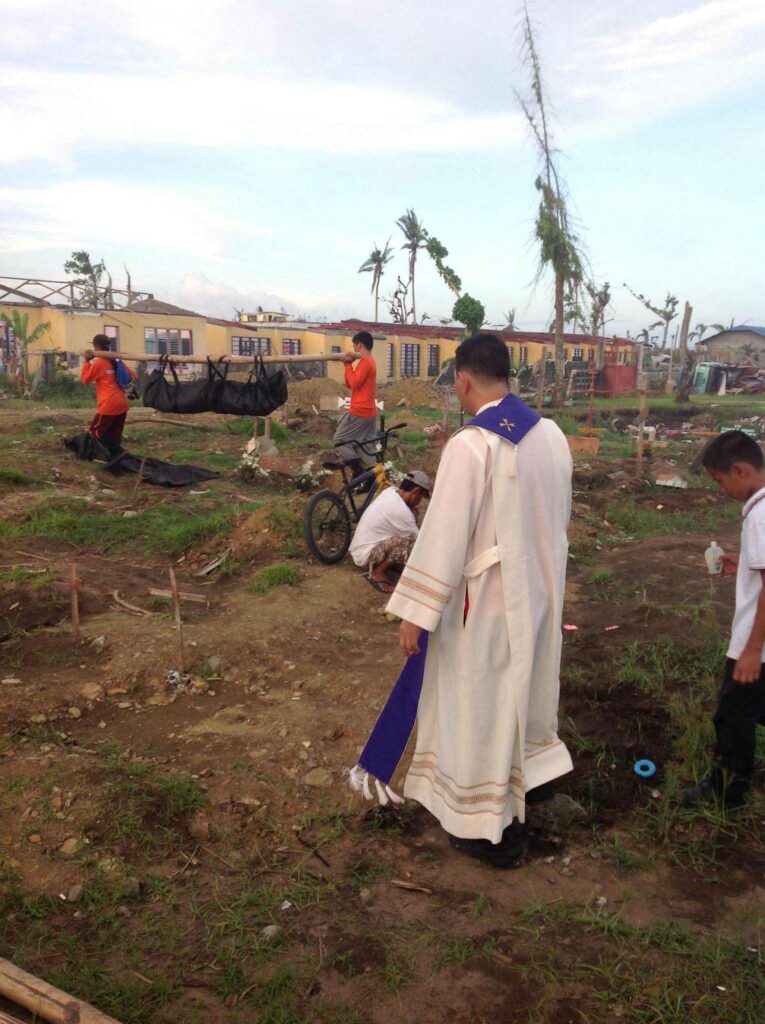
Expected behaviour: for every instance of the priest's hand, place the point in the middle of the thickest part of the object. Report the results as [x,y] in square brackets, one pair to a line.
[409,638]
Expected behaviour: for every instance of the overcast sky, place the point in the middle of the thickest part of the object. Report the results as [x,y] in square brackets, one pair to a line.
[253,151]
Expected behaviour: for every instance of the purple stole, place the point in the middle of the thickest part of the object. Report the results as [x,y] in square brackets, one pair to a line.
[512,419]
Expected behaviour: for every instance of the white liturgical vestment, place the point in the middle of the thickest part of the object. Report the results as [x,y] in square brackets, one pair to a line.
[487,718]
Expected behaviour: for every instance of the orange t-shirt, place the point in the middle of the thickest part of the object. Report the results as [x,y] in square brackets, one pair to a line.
[110,399]
[362,381]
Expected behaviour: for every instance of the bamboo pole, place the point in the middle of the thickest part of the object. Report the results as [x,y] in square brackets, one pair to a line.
[130,357]
[45,1001]
[178,621]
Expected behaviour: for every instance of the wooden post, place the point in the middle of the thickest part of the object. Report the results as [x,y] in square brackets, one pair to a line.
[74,585]
[641,413]
[178,621]
[45,1001]
[541,382]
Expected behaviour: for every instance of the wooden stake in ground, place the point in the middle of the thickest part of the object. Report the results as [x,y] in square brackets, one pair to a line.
[74,586]
[641,413]
[178,622]
[45,1001]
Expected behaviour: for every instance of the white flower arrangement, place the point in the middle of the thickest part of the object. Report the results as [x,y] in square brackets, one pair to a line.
[250,469]
[309,476]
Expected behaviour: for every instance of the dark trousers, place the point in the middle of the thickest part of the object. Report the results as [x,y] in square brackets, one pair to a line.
[739,710]
[108,430]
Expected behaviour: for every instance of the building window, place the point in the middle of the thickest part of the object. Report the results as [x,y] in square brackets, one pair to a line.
[291,347]
[113,334]
[434,360]
[391,361]
[249,346]
[162,341]
[336,349]
[410,360]
[579,354]
[523,358]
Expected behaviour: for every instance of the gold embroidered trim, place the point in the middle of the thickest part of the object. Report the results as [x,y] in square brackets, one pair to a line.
[437,783]
[427,591]
[435,579]
[426,769]
[547,746]
[408,597]
[431,757]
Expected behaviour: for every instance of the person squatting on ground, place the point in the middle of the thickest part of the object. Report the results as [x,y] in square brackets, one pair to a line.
[111,401]
[388,529]
[481,601]
[360,422]
[735,462]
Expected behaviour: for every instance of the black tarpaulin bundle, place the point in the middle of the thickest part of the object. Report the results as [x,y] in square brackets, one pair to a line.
[259,395]
[153,471]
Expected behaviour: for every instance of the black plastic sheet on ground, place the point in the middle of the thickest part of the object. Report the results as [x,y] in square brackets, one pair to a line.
[153,471]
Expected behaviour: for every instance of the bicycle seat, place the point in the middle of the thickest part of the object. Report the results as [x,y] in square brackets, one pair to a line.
[337,464]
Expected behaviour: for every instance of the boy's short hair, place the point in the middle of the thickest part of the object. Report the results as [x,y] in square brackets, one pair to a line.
[101,342]
[363,338]
[484,356]
[731,447]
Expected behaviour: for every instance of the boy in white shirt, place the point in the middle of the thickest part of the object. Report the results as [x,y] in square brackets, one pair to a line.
[388,529]
[736,463]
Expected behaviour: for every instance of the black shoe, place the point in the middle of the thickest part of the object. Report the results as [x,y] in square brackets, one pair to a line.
[541,794]
[713,790]
[509,852]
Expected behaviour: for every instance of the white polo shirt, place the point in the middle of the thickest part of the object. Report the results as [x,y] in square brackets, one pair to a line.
[387,516]
[748,580]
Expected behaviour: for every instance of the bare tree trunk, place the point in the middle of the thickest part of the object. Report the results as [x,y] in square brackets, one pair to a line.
[686,360]
[560,358]
[414,304]
[664,339]
[377,289]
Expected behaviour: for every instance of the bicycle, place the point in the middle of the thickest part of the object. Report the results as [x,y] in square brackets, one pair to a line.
[330,516]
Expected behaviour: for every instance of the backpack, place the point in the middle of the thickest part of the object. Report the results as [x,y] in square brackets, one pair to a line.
[122,375]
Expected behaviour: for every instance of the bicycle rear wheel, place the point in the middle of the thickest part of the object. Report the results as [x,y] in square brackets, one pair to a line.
[327,527]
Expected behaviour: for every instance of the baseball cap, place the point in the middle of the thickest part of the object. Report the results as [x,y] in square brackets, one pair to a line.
[421,479]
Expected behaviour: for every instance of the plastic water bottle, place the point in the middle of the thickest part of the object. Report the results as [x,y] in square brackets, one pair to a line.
[713,554]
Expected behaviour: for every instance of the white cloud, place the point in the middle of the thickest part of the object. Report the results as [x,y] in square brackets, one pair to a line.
[667,66]
[86,212]
[49,115]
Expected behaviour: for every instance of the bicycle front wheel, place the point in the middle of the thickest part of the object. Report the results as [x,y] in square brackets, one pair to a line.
[327,527]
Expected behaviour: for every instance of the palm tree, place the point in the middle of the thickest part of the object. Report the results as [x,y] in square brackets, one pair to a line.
[375,265]
[416,238]
[19,323]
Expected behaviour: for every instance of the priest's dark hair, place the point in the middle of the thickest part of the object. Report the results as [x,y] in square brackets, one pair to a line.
[363,338]
[731,447]
[101,342]
[485,356]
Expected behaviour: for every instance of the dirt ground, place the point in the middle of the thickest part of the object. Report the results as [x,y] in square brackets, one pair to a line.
[193,854]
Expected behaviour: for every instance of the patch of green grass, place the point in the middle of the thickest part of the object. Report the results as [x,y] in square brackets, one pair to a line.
[144,807]
[169,529]
[10,478]
[206,457]
[639,521]
[279,575]
[36,578]
[413,440]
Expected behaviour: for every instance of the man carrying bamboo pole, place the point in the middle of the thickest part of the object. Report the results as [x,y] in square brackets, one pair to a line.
[360,422]
[111,401]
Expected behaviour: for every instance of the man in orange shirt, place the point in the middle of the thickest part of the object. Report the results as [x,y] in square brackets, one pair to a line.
[111,401]
[360,422]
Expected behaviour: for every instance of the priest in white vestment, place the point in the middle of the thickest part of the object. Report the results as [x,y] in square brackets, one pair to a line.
[486,579]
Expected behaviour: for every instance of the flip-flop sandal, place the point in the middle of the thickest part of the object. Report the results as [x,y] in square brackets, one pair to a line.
[383,588]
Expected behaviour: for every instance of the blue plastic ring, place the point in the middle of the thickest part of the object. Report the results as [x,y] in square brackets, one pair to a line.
[644,769]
